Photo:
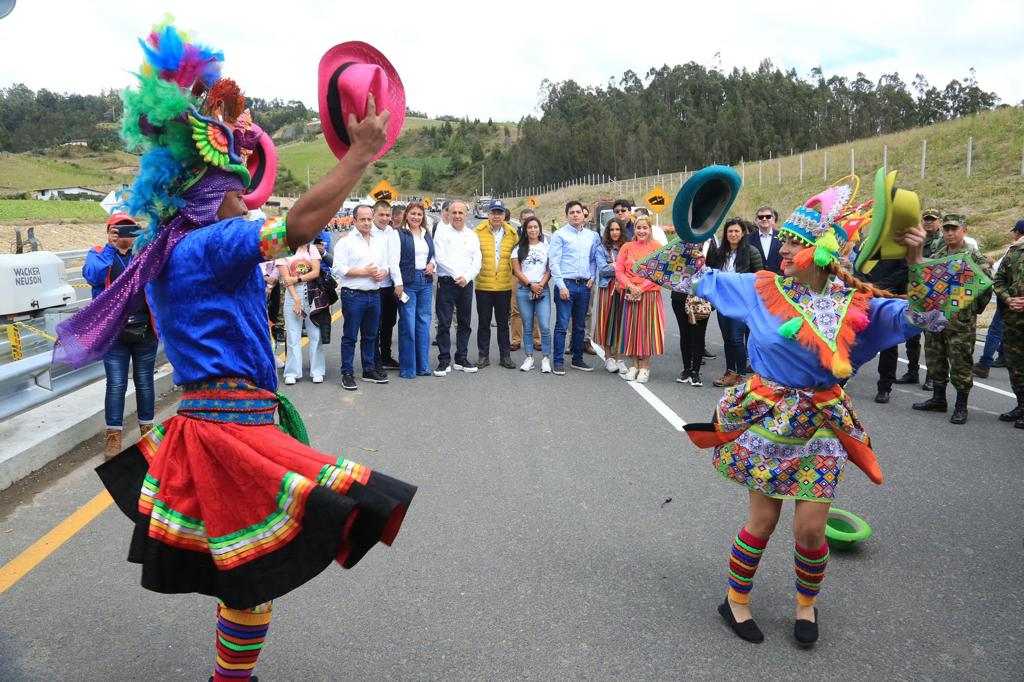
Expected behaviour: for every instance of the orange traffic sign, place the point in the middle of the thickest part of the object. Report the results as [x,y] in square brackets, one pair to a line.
[656,199]
[532,202]
[384,191]
[427,202]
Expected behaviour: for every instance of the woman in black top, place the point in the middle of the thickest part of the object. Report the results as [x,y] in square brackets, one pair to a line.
[734,254]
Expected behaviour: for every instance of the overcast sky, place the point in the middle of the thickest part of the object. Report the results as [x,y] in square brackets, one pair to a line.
[487,60]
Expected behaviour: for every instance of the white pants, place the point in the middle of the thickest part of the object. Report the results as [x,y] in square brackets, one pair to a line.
[293,336]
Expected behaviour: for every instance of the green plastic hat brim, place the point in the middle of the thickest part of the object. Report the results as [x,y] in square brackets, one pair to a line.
[879,215]
[844,529]
[703,202]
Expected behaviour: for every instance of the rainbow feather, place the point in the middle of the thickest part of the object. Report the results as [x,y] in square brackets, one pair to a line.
[169,54]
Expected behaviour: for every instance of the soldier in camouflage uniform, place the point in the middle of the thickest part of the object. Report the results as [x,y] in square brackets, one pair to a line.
[1009,287]
[931,220]
[949,354]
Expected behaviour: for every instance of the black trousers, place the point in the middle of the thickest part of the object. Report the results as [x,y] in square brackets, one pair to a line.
[453,300]
[691,336]
[388,318]
[913,345]
[887,368]
[498,303]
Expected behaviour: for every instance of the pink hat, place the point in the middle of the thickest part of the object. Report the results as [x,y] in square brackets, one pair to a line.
[348,73]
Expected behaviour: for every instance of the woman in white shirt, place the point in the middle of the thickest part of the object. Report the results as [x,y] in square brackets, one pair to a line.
[412,268]
[295,272]
[530,267]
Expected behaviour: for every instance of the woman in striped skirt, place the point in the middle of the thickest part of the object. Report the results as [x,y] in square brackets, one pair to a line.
[643,315]
[608,327]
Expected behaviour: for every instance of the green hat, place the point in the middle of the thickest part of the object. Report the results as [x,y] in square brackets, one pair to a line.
[932,213]
[954,219]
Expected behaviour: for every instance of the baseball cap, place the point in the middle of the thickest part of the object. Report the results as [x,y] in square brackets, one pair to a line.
[1019,227]
[120,219]
[954,219]
[932,213]
[496,206]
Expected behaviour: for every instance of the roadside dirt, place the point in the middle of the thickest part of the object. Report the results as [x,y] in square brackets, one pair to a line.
[54,236]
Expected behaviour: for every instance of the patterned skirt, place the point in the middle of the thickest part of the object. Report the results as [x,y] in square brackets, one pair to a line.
[785,442]
[608,327]
[643,326]
[225,503]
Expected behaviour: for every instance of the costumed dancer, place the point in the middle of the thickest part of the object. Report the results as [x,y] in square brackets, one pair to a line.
[787,432]
[225,502]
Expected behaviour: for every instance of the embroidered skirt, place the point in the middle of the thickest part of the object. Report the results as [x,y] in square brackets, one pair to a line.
[608,327]
[784,442]
[643,326]
[225,503]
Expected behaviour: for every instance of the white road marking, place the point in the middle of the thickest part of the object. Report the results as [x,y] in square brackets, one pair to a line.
[654,401]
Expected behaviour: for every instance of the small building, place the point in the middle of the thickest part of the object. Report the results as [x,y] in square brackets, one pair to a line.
[69,194]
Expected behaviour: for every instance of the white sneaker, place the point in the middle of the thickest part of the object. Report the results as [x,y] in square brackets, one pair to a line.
[318,380]
[611,366]
[545,365]
[643,376]
[629,374]
[468,369]
[289,380]
[621,364]
[527,364]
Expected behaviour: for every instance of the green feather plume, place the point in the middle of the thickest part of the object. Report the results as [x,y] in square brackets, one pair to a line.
[790,328]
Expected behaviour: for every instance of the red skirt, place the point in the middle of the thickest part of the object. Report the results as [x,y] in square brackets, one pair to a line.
[226,504]
[608,327]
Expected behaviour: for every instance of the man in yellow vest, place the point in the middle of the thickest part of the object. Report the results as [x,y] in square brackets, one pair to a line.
[494,284]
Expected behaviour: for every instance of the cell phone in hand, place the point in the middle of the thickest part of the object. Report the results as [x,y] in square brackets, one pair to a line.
[404,298]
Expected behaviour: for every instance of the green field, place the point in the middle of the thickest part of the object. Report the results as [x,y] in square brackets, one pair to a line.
[64,211]
[27,172]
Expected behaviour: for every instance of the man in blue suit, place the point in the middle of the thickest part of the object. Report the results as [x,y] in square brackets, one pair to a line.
[765,240]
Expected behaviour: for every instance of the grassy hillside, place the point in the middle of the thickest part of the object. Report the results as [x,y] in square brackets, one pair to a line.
[66,166]
[992,197]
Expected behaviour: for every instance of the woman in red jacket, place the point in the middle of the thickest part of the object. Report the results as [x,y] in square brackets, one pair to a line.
[643,318]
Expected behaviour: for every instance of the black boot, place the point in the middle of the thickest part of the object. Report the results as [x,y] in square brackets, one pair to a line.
[927,385]
[959,415]
[908,377]
[937,403]
[1016,413]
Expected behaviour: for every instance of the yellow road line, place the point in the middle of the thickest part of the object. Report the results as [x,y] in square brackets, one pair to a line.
[16,569]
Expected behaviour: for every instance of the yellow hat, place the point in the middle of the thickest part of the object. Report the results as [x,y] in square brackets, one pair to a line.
[895,211]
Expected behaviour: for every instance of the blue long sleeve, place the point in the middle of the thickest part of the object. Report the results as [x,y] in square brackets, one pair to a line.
[888,327]
[732,294]
[95,268]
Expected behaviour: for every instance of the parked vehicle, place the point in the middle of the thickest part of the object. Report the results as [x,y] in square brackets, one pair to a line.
[482,207]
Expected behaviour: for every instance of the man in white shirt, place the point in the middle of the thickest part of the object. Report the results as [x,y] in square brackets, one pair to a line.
[383,214]
[457,254]
[361,266]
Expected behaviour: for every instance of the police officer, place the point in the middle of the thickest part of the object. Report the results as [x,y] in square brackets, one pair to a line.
[949,354]
[1009,288]
[931,220]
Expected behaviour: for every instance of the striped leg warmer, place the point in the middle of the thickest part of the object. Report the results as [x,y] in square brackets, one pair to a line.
[810,572]
[240,635]
[746,553]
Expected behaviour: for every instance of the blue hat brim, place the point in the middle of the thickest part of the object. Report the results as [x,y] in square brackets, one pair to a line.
[703,202]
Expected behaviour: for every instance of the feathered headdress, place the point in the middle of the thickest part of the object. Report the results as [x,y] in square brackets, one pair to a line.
[826,222]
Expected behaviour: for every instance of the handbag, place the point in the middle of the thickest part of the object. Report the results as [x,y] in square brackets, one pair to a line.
[697,308]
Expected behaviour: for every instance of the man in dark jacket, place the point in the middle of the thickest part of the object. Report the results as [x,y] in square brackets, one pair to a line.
[890,275]
[766,240]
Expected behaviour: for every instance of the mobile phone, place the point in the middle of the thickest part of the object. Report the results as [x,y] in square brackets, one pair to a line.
[404,298]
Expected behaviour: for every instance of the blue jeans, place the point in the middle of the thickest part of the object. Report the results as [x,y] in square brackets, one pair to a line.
[539,308]
[576,308]
[361,310]
[735,348]
[993,340]
[115,363]
[414,327]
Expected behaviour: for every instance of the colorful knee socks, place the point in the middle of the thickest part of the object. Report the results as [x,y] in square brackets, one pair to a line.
[746,553]
[810,571]
[240,635]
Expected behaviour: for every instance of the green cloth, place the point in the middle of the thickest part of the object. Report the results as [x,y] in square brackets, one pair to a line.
[291,420]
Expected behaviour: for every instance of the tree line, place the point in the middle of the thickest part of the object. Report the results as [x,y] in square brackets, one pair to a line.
[692,116]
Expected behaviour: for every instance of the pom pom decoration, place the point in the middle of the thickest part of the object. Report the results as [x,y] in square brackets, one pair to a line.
[858,319]
[790,328]
[804,258]
[823,256]
[841,367]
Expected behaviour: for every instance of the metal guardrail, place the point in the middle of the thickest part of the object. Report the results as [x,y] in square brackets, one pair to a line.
[31,382]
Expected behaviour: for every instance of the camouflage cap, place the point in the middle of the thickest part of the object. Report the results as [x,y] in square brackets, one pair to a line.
[932,213]
[954,219]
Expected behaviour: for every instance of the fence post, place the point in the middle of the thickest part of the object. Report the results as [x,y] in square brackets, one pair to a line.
[760,168]
[970,154]
[801,169]
[924,156]
[853,164]
[824,168]
[885,158]
[1022,160]
[780,171]
[743,169]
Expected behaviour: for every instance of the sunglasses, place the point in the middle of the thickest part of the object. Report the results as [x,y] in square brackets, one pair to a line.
[622,210]
[765,217]
[929,219]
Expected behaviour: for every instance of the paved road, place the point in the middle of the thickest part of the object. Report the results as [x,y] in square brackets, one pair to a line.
[543,545]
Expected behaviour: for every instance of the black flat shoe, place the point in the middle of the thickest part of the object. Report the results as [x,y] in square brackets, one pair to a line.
[747,630]
[805,632]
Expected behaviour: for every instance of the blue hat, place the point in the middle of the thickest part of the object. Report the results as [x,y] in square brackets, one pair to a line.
[1019,227]
[702,202]
[496,206]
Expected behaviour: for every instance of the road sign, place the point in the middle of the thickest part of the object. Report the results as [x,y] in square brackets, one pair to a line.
[384,191]
[427,202]
[656,199]
[532,202]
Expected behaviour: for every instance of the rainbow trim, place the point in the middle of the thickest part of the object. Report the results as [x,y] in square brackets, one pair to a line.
[274,239]
[809,565]
[744,558]
[341,476]
[240,637]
